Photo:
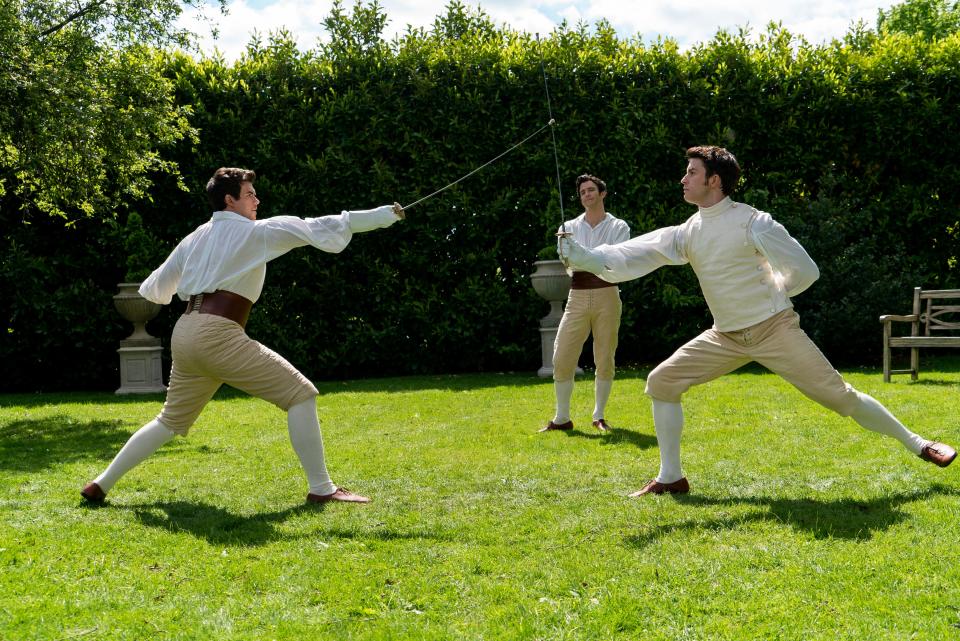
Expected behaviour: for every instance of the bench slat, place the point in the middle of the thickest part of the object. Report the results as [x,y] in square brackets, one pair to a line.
[925,341]
[939,293]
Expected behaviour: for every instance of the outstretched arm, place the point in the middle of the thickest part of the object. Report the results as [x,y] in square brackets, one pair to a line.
[327,233]
[630,259]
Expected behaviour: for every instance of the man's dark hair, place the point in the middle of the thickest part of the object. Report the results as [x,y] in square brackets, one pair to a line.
[601,186]
[719,161]
[227,180]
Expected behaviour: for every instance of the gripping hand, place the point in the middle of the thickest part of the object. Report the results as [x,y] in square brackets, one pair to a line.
[579,258]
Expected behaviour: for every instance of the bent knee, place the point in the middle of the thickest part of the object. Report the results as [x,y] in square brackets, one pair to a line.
[303,393]
[564,370]
[178,423]
[606,370]
[662,388]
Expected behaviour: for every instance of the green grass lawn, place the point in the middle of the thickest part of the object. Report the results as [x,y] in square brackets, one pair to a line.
[800,525]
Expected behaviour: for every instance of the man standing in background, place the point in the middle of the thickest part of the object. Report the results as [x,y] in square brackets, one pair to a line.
[593,307]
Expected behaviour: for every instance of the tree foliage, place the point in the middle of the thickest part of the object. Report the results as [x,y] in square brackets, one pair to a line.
[932,19]
[84,104]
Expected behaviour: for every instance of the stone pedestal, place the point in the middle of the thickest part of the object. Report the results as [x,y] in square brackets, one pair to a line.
[548,336]
[552,282]
[141,367]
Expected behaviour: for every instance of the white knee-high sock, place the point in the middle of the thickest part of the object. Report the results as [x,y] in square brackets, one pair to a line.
[668,422]
[601,393]
[564,390]
[144,442]
[875,417]
[304,428]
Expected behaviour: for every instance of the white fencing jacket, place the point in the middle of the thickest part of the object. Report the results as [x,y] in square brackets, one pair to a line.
[747,264]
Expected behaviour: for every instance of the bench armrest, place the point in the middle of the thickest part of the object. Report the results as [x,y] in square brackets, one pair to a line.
[910,318]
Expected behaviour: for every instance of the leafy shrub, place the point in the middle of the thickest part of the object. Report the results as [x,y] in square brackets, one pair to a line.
[841,142]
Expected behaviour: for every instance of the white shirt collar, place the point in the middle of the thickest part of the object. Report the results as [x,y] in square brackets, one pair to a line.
[606,218]
[229,215]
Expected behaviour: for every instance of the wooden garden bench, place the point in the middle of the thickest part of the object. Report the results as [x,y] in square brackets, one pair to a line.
[937,313]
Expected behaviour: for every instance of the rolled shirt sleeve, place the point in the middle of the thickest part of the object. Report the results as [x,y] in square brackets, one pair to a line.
[362,220]
[160,286]
[788,259]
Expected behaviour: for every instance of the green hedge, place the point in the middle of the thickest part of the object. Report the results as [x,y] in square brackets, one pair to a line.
[848,144]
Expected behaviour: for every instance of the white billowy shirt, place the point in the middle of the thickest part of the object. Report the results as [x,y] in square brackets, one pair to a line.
[747,264]
[230,252]
[610,231]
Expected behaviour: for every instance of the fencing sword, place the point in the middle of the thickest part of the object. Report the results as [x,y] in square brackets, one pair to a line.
[400,209]
[489,162]
[551,124]
[563,233]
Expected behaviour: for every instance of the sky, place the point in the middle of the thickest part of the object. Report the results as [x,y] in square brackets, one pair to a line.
[687,21]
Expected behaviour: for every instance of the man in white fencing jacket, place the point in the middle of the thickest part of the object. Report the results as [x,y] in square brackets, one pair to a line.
[748,267]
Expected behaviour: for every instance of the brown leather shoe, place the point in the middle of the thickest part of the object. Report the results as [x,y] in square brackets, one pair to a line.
[656,487]
[342,494]
[939,454]
[551,426]
[93,493]
[602,425]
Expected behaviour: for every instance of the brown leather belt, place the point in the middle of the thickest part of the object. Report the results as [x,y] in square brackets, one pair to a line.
[221,303]
[586,280]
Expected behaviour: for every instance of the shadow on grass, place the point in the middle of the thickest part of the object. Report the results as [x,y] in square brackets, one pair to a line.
[931,382]
[849,519]
[27,446]
[86,398]
[619,436]
[222,527]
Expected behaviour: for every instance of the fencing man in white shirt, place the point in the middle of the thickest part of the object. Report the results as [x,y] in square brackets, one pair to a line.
[593,306]
[748,267]
[219,270]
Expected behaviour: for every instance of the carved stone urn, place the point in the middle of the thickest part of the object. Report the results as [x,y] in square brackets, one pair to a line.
[140,353]
[136,309]
[551,281]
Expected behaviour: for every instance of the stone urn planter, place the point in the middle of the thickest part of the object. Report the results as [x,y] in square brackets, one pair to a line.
[551,282]
[136,309]
[140,353]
